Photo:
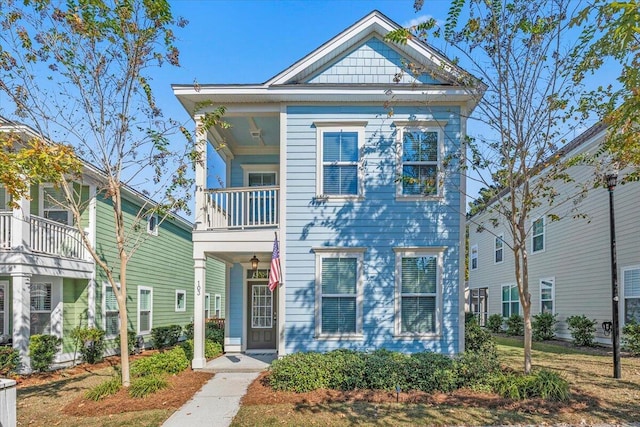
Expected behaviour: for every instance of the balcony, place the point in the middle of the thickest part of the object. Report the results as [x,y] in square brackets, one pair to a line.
[46,237]
[242,208]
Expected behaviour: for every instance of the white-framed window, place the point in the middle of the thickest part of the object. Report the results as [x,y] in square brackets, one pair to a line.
[339,278]
[537,235]
[181,300]
[4,297]
[419,164]
[111,314]
[52,204]
[418,291]
[631,293]
[152,224]
[145,309]
[339,162]
[473,257]
[40,308]
[510,300]
[207,305]
[547,295]
[4,199]
[217,306]
[498,247]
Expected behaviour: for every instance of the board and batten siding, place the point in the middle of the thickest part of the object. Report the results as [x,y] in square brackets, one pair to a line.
[576,254]
[163,262]
[379,223]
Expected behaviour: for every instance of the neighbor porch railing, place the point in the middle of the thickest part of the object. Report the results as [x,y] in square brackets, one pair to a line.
[53,238]
[242,207]
[5,229]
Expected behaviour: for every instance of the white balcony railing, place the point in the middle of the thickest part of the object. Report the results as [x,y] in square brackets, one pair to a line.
[241,208]
[5,229]
[53,238]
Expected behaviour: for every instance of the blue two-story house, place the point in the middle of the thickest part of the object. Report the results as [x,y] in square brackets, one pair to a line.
[352,157]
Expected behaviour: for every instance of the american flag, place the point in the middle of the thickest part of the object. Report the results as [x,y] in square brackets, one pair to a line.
[274,270]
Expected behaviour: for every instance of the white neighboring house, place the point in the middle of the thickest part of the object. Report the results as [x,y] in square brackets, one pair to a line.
[569,259]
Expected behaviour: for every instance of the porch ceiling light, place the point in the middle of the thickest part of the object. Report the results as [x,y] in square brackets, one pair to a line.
[254,262]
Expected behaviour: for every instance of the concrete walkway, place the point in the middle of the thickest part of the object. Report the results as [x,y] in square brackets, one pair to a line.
[218,400]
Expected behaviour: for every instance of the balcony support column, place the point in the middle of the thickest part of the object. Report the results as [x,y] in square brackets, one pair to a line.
[20,226]
[201,175]
[21,289]
[199,361]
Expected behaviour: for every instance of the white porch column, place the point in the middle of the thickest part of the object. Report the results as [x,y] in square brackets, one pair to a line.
[201,175]
[21,284]
[20,226]
[199,361]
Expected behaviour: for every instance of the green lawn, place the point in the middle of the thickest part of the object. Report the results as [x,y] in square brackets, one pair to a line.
[596,398]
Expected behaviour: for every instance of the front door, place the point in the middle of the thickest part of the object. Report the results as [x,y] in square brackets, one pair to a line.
[261,320]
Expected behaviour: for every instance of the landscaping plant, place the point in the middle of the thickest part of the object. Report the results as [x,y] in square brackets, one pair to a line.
[170,362]
[131,341]
[42,350]
[104,389]
[515,325]
[544,326]
[91,343]
[582,330]
[148,384]
[165,336]
[494,323]
[9,361]
[631,337]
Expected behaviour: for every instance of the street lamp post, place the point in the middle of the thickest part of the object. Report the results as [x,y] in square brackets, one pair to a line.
[612,180]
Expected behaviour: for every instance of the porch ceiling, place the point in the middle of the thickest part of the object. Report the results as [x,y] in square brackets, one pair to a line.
[248,133]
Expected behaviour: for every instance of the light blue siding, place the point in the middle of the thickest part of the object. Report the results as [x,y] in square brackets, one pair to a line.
[371,62]
[377,223]
[235,304]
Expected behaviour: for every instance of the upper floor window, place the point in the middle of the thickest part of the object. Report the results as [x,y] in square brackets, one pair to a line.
[4,199]
[537,235]
[418,287]
[499,249]
[473,257]
[339,161]
[339,293]
[4,324]
[420,162]
[152,224]
[631,293]
[53,205]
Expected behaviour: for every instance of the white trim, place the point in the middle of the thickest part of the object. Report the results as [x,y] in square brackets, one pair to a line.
[544,234]
[152,219]
[207,305]
[552,281]
[358,128]
[261,168]
[282,305]
[499,237]
[4,286]
[183,309]
[358,254]
[106,285]
[41,197]
[145,288]
[217,302]
[438,253]
[422,126]
[471,257]
[502,301]
[622,297]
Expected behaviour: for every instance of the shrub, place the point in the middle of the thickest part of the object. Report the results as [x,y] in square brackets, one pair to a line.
[211,349]
[91,342]
[346,369]
[104,389]
[494,323]
[630,338]
[9,360]
[515,325]
[543,383]
[431,372]
[165,336]
[144,386]
[188,331]
[478,339]
[470,317]
[213,332]
[131,341]
[582,330]
[543,326]
[299,372]
[386,370]
[42,350]
[172,362]
[474,369]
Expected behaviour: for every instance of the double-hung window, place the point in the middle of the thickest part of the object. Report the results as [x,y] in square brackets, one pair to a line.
[631,293]
[145,307]
[510,300]
[339,292]
[339,162]
[181,300]
[537,235]
[52,204]
[499,249]
[420,162]
[473,257]
[40,308]
[111,312]
[547,291]
[418,289]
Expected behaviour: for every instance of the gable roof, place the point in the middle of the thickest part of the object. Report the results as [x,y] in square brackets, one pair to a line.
[299,82]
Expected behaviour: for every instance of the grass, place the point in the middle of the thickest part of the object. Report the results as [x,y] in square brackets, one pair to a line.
[596,398]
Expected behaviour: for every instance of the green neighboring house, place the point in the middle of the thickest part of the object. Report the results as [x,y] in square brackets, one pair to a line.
[50,284]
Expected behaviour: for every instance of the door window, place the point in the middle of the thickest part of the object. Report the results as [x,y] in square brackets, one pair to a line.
[261,307]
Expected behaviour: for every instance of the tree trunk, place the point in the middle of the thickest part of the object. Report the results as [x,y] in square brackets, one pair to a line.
[526,312]
[124,342]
